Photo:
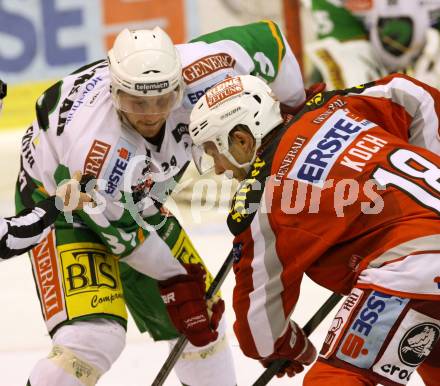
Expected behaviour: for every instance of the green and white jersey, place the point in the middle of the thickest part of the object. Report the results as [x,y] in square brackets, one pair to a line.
[361,40]
[258,49]
[78,128]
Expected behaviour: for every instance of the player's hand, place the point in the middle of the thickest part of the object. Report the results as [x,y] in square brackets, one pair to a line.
[296,348]
[71,194]
[216,308]
[184,296]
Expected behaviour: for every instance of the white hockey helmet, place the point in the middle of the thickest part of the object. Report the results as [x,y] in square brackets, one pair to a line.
[144,63]
[398,31]
[240,100]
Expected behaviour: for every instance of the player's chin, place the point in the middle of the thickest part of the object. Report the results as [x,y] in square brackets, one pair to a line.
[239,174]
[148,129]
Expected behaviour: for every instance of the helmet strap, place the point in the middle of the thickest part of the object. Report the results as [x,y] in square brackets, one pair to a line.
[245,165]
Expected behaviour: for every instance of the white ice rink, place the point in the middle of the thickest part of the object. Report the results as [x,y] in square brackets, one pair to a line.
[23,337]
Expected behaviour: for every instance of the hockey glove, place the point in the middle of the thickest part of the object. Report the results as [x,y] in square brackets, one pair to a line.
[296,348]
[184,297]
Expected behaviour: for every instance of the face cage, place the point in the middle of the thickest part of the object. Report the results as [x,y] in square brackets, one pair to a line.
[387,36]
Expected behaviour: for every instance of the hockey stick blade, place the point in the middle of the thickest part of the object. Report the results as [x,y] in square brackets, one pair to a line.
[177,350]
[310,326]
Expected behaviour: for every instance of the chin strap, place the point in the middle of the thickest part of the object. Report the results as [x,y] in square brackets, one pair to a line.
[246,166]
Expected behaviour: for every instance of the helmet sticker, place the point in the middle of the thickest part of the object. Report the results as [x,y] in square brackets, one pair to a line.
[223,90]
[151,86]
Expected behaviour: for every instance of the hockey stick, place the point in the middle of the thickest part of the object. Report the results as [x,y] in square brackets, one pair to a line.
[310,326]
[175,353]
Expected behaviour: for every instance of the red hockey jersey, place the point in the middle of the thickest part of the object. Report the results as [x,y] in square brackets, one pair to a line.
[341,196]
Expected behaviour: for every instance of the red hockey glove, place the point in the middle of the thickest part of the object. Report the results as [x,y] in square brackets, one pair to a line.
[184,296]
[289,112]
[216,308]
[314,89]
[295,347]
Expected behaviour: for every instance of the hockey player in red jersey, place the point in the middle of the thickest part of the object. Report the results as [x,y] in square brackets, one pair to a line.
[343,195]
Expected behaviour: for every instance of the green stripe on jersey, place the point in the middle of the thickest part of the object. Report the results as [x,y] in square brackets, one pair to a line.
[262,41]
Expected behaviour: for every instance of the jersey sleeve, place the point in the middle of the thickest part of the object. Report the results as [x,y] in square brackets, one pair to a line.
[20,233]
[264,46]
[404,107]
[268,271]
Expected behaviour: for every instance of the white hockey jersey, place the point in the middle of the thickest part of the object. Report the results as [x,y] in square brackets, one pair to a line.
[78,128]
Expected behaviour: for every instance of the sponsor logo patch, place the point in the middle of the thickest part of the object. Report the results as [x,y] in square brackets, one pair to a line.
[117,166]
[412,342]
[96,157]
[298,143]
[332,107]
[87,269]
[91,280]
[197,90]
[369,328]
[318,157]
[237,251]
[27,147]
[417,343]
[206,66]
[46,270]
[83,86]
[336,329]
[223,90]
[180,130]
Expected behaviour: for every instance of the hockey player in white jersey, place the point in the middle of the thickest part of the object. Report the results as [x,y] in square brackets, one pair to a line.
[125,122]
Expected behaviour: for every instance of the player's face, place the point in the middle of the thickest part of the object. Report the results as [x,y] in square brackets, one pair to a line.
[222,163]
[147,114]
